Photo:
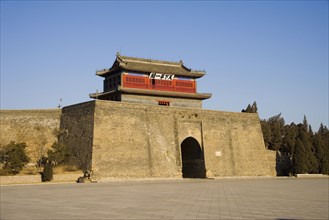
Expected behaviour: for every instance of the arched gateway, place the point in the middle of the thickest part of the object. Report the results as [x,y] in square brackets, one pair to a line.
[193,165]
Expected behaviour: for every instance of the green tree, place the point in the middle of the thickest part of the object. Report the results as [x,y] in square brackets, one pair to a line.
[266,129]
[290,133]
[276,124]
[59,153]
[299,159]
[299,149]
[319,152]
[14,157]
[251,108]
[289,139]
[273,129]
[47,174]
[322,148]
[305,137]
[248,109]
[305,123]
[254,108]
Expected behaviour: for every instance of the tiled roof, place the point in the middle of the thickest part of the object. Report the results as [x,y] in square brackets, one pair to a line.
[200,96]
[150,66]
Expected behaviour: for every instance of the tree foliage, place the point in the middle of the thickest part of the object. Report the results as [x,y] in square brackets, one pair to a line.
[308,152]
[300,150]
[59,154]
[13,157]
[251,108]
[273,130]
[300,158]
[47,174]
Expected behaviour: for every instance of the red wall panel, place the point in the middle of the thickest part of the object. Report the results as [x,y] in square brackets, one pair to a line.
[141,82]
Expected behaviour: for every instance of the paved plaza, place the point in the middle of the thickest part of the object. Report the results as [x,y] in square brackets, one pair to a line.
[258,198]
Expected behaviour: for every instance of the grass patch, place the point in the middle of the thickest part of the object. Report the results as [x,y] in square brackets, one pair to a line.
[62,169]
[33,170]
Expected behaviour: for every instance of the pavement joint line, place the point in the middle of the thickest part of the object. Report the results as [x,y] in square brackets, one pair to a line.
[201,199]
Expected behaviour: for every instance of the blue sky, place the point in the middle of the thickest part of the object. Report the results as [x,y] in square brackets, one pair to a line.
[271,52]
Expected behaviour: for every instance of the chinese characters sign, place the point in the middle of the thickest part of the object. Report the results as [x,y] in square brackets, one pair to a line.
[161,76]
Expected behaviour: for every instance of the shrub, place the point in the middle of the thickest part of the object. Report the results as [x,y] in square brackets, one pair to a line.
[42,161]
[59,153]
[4,172]
[47,173]
[13,157]
[71,168]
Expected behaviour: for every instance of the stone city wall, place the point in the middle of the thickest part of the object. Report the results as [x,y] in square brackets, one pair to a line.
[234,145]
[37,128]
[77,124]
[131,140]
[153,100]
[136,140]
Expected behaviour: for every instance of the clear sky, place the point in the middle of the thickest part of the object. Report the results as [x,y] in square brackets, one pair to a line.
[271,52]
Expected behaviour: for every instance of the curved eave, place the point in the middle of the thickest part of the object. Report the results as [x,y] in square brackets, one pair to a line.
[192,74]
[102,94]
[106,72]
[199,96]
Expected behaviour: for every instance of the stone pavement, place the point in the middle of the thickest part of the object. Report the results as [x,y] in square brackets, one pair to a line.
[257,198]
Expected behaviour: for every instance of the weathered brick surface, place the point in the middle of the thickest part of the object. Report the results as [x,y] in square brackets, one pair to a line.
[77,126]
[153,100]
[137,140]
[272,162]
[34,127]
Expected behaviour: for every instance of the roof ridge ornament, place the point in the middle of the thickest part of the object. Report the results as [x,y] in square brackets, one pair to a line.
[136,64]
[120,59]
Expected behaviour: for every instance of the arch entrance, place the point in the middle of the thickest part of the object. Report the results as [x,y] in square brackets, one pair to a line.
[193,165]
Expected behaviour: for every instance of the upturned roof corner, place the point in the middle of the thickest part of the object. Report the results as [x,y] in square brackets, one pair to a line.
[149,65]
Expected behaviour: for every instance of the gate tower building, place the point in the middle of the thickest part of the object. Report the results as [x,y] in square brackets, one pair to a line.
[126,132]
[147,81]
[129,132]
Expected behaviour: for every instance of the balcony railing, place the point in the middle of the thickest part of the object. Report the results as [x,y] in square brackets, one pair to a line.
[143,82]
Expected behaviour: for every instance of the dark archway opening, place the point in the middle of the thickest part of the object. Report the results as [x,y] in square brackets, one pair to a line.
[192,159]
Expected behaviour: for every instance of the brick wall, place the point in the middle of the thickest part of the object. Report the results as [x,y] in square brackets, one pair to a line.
[34,127]
[77,124]
[174,102]
[136,140]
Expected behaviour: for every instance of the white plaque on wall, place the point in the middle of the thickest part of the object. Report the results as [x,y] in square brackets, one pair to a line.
[218,153]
